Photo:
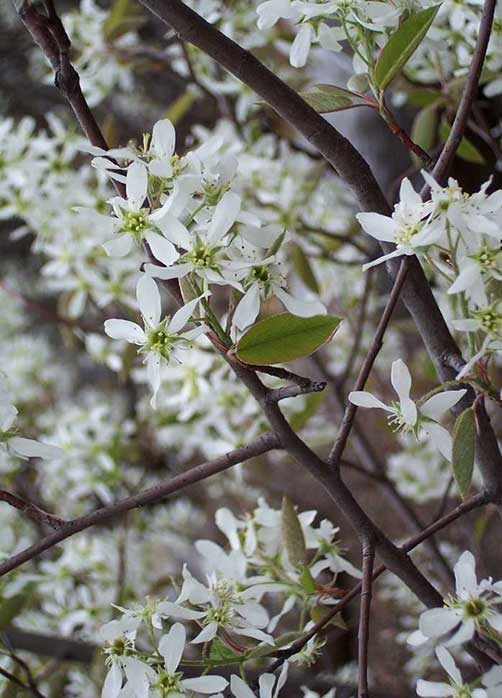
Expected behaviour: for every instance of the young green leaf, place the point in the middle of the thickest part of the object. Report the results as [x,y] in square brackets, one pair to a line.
[292,534]
[464,444]
[303,268]
[285,337]
[466,150]
[402,45]
[330,98]
[424,129]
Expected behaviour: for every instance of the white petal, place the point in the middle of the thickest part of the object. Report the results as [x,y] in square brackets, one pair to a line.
[432,689]
[153,374]
[409,195]
[440,438]
[224,216]
[165,273]
[266,683]
[172,646]
[205,684]
[448,664]
[468,276]
[438,621]
[378,226]
[401,379]
[118,246]
[495,621]
[173,610]
[162,249]
[136,185]
[125,329]
[437,405]
[300,47]
[239,688]
[163,138]
[364,399]
[148,297]
[113,683]
[248,308]
[298,307]
[409,411]
[206,634]
[173,229]
[463,634]
[466,583]
[182,316]
[29,448]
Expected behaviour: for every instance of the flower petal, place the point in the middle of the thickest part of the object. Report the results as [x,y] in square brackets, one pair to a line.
[125,329]
[136,185]
[29,448]
[437,405]
[162,249]
[239,688]
[205,684]
[182,316]
[361,398]
[148,297]
[172,646]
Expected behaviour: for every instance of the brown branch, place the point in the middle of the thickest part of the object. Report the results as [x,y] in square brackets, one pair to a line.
[364,619]
[376,345]
[152,495]
[31,510]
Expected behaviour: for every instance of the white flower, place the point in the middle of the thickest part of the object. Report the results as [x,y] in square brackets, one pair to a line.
[300,47]
[405,414]
[266,684]
[224,607]
[472,607]
[455,688]
[134,223]
[202,246]
[160,339]
[406,228]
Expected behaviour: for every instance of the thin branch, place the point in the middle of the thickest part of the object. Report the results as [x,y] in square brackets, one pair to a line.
[152,495]
[376,345]
[468,96]
[295,390]
[364,619]
[31,510]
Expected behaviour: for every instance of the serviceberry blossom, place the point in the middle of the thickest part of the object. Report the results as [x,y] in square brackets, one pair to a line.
[269,685]
[161,339]
[406,415]
[408,228]
[474,606]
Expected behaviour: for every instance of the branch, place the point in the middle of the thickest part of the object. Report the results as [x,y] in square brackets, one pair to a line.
[376,345]
[31,510]
[152,495]
[364,619]
[468,96]
[294,390]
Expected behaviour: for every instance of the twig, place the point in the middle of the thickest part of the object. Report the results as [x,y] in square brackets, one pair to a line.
[31,510]
[350,412]
[295,390]
[364,619]
[157,493]
[468,96]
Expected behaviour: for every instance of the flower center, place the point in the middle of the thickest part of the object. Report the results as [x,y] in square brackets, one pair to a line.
[406,233]
[490,320]
[168,684]
[203,256]
[160,341]
[135,222]
[487,257]
[474,607]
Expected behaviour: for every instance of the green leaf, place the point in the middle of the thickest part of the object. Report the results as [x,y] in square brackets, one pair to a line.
[276,245]
[124,16]
[312,403]
[330,98]
[466,150]
[464,446]
[307,581]
[285,337]
[222,653]
[424,128]
[301,265]
[292,534]
[402,45]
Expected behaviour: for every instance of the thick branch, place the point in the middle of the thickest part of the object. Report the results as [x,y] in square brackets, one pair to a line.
[263,444]
[364,619]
